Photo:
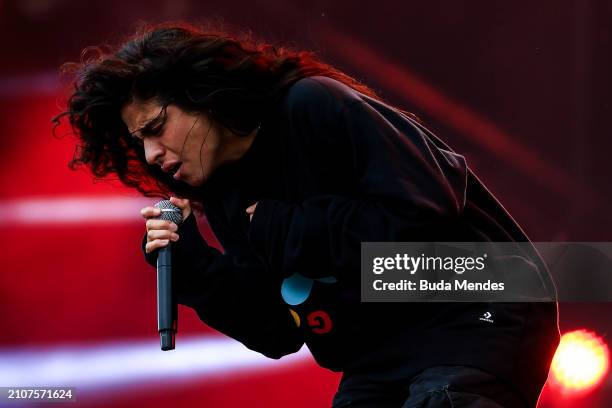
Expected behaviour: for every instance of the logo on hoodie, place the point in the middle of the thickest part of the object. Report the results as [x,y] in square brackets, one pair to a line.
[487,317]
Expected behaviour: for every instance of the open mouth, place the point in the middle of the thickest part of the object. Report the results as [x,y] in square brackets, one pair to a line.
[175,168]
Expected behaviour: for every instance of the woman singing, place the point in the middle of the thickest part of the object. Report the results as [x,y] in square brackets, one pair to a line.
[295,164]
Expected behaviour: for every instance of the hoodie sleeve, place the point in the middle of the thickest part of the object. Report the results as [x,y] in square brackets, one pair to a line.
[231,293]
[405,185]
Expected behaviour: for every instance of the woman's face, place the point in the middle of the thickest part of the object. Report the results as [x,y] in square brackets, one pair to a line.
[187,145]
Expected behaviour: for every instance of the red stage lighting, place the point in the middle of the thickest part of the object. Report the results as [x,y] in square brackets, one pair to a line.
[580,363]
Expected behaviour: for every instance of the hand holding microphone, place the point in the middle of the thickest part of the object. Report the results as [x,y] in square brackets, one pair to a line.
[161,232]
[162,223]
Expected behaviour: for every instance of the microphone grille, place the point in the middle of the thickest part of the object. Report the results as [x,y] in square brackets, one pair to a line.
[170,212]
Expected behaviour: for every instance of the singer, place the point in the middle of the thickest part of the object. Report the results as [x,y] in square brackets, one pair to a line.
[294,164]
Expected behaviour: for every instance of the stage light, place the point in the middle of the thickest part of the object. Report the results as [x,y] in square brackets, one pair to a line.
[580,363]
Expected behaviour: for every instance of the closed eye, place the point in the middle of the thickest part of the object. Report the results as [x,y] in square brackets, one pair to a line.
[153,128]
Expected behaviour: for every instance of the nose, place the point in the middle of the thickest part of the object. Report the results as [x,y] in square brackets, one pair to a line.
[153,151]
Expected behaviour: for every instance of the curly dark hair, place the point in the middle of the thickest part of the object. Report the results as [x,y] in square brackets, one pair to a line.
[234,81]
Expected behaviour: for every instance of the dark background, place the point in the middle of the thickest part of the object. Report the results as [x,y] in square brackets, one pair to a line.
[520,88]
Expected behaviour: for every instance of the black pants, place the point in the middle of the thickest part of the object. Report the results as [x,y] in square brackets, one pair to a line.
[435,387]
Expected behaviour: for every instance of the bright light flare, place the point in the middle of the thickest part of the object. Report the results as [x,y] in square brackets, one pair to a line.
[580,363]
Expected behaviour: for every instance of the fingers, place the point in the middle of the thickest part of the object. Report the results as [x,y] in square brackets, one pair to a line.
[153,224]
[159,238]
[182,203]
[155,245]
[251,210]
[148,212]
[162,234]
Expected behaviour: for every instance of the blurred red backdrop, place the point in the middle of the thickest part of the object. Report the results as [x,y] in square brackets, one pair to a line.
[521,89]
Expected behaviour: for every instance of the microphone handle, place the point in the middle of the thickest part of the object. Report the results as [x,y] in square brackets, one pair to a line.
[166,306]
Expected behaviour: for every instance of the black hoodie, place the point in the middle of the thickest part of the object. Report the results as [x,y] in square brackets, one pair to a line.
[331,168]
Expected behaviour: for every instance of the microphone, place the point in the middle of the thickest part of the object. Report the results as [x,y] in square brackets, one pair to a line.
[167,307]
